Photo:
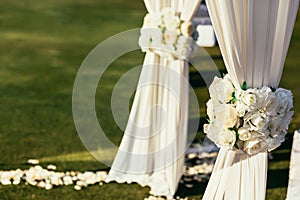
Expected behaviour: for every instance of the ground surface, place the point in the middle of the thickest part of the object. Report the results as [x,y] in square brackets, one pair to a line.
[43,44]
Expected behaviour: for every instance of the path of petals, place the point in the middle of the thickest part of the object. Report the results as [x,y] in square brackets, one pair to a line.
[198,167]
[49,178]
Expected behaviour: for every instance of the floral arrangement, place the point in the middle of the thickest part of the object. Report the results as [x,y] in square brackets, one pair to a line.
[167,35]
[251,120]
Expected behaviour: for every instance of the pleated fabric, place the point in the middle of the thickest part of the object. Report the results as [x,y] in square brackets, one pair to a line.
[294,175]
[254,37]
[152,149]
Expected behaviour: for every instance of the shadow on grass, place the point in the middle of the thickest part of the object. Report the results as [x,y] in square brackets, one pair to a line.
[216,57]
[277,178]
[196,79]
[197,189]
[201,121]
[287,144]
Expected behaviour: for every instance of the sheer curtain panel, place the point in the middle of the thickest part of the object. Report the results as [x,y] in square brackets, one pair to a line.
[151,152]
[254,37]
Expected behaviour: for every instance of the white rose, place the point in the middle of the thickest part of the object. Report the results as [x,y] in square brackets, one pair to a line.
[170,37]
[210,110]
[187,53]
[150,38]
[285,98]
[182,41]
[221,90]
[245,134]
[181,45]
[144,42]
[212,132]
[255,146]
[147,21]
[274,123]
[248,99]
[256,121]
[187,28]
[216,90]
[153,20]
[225,116]
[227,139]
[270,103]
[230,119]
[156,36]
[228,88]
[241,108]
[171,22]
[184,50]
[190,43]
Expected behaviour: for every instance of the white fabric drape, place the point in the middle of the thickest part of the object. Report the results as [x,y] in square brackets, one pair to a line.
[152,149]
[254,37]
[294,176]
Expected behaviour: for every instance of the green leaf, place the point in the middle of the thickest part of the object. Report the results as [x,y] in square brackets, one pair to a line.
[233,100]
[237,137]
[244,86]
[236,146]
[207,119]
[273,89]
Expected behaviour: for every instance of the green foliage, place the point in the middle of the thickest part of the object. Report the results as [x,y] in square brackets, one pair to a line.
[244,86]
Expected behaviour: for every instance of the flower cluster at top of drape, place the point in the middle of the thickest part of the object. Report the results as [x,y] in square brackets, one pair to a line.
[165,34]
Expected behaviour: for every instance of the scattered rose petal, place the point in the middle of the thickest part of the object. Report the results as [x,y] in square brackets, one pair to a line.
[41,184]
[67,180]
[33,161]
[77,187]
[48,186]
[5,182]
[51,167]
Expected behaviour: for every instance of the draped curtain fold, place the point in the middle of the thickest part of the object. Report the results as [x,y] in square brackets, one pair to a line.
[254,37]
[294,175]
[152,149]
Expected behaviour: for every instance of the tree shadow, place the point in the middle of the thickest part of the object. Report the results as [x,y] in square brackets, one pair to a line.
[287,144]
[201,121]
[204,79]
[216,57]
[280,156]
[277,178]
[198,188]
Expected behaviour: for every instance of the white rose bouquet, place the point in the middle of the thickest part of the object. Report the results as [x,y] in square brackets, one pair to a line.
[251,120]
[167,35]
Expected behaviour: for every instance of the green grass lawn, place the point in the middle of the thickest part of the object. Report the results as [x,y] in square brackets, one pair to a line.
[43,43]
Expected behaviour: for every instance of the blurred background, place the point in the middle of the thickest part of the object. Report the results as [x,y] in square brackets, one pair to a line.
[43,44]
